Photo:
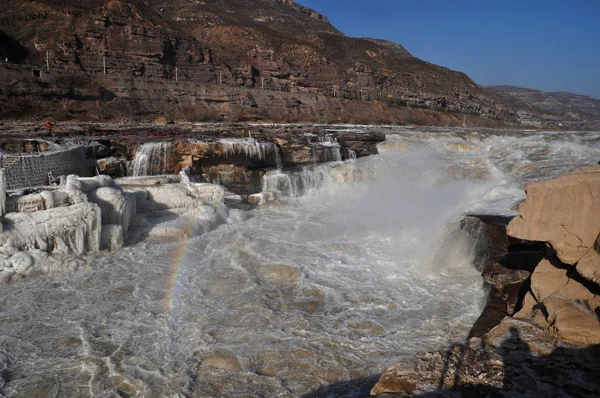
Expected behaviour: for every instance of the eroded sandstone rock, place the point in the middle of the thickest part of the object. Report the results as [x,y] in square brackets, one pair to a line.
[589,266]
[556,299]
[565,212]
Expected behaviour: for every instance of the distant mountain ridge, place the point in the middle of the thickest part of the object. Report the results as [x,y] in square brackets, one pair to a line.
[558,106]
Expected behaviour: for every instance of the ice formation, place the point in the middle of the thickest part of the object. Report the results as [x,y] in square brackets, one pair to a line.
[43,230]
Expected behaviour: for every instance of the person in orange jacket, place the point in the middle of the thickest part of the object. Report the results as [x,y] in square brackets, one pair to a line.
[49,127]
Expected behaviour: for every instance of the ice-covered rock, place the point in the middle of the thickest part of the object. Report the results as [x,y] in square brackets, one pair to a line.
[25,203]
[111,237]
[173,196]
[92,183]
[179,211]
[37,201]
[91,214]
[54,199]
[264,197]
[117,206]
[18,262]
[36,262]
[184,175]
[72,229]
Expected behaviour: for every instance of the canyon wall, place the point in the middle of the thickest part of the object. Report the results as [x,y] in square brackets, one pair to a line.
[218,60]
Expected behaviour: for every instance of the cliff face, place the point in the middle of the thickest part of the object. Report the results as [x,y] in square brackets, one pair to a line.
[129,52]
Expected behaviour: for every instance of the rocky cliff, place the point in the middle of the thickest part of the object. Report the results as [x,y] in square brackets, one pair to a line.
[137,59]
[541,328]
[554,107]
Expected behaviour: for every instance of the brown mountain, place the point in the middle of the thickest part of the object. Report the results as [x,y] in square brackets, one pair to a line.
[557,106]
[211,60]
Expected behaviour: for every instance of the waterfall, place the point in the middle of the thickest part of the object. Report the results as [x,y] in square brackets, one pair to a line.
[349,153]
[248,147]
[327,139]
[328,152]
[151,159]
[223,177]
[312,179]
[293,185]
[278,161]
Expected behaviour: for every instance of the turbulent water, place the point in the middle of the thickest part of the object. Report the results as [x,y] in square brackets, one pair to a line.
[363,264]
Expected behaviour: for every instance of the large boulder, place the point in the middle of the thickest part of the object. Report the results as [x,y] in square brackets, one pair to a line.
[565,212]
[549,280]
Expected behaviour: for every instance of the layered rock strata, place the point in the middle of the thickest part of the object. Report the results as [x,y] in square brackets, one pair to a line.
[214,61]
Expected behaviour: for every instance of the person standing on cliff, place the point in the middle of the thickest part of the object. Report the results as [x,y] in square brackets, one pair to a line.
[49,128]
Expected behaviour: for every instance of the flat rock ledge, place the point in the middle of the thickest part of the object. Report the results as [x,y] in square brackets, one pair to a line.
[540,333]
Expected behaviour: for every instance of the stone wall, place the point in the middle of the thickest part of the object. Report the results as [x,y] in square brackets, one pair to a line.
[31,171]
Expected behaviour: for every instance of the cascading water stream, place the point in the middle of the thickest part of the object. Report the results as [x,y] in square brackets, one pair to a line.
[249,147]
[278,161]
[151,159]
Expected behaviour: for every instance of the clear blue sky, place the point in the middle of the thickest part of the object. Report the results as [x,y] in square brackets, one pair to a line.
[550,45]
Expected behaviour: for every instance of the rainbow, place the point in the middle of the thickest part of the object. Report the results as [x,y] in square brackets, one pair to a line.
[176,262]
